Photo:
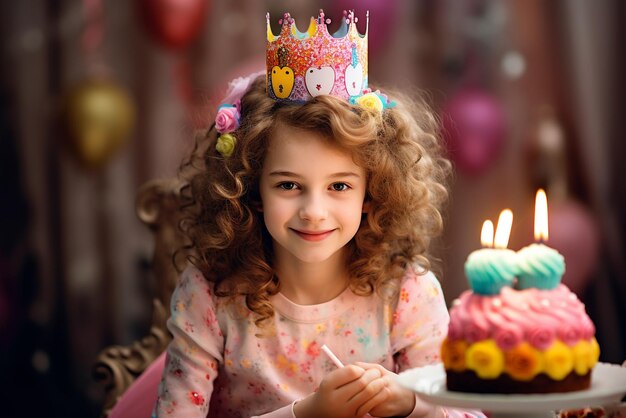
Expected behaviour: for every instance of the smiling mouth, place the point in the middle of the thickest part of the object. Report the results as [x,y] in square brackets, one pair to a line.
[313,235]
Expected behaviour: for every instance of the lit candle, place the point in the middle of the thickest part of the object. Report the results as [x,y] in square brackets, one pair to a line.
[540,266]
[486,234]
[493,267]
[503,231]
[541,216]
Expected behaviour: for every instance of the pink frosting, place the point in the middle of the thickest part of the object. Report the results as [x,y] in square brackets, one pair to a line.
[513,316]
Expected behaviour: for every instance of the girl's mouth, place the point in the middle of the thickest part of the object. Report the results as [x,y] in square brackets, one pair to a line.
[313,235]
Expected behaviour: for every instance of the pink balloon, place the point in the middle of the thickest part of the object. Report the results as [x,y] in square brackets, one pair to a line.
[141,396]
[474,129]
[573,232]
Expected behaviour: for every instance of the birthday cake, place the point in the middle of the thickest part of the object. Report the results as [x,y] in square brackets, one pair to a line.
[519,329]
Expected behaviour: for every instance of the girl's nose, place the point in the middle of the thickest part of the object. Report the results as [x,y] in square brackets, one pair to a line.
[313,208]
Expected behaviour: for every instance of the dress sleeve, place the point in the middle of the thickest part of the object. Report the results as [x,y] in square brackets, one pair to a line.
[419,322]
[194,353]
[284,412]
[419,326]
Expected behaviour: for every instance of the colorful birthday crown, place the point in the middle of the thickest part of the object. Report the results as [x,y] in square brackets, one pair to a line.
[302,65]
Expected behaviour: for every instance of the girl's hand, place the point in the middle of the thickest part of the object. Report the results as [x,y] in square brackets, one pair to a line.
[347,392]
[397,400]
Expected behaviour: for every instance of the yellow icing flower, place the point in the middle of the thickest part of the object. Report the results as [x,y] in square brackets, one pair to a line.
[485,358]
[583,357]
[370,101]
[595,352]
[453,354]
[226,145]
[523,362]
[558,360]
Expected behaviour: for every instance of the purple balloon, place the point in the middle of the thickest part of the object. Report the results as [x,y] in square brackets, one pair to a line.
[574,233]
[474,130]
[382,16]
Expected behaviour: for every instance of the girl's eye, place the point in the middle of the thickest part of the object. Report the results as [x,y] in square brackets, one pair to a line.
[287,185]
[340,187]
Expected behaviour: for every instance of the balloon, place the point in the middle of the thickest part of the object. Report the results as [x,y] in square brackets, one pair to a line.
[474,129]
[98,117]
[174,23]
[141,396]
[382,18]
[574,233]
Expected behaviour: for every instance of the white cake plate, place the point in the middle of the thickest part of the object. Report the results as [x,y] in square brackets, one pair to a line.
[608,387]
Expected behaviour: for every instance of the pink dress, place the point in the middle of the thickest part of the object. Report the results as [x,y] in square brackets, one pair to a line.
[217,367]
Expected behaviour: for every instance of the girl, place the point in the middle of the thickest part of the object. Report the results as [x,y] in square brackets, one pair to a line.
[309,225]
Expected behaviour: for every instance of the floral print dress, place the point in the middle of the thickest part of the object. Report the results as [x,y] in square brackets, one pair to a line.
[217,365]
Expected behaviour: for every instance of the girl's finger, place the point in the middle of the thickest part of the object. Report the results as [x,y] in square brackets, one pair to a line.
[381,396]
[368,366]
[343,376]
[351,389]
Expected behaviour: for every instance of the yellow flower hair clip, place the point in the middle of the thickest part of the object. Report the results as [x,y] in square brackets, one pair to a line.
[226,145]
[373,100]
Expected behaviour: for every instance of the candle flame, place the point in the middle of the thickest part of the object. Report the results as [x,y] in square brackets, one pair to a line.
[503,230]
[541,216]
[486,234]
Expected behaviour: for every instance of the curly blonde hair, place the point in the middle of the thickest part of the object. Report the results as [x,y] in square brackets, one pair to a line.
[406,189]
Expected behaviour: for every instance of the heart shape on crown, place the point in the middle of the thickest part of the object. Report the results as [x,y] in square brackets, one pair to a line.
[354,79]
[319,80]
[282,81]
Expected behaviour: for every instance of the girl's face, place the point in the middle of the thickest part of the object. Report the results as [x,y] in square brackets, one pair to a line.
[312,196]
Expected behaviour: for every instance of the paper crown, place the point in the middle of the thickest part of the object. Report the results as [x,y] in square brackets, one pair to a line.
[302,65]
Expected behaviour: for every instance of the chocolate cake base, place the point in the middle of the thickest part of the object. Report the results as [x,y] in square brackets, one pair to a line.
[468,381]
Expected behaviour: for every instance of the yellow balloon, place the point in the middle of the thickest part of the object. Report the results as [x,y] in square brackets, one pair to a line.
[98,116]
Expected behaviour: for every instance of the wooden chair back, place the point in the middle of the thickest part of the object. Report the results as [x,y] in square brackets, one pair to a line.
[117,367]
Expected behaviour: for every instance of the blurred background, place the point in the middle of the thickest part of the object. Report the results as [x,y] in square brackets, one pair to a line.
[98,97]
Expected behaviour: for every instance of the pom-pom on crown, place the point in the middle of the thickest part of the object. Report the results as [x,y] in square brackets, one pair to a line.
[302,65]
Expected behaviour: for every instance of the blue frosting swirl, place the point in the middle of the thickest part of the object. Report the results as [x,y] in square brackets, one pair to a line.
[489,270]
[540,267]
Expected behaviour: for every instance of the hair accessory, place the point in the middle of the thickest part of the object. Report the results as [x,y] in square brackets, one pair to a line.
[373,100]
[229,114]
[226,121]
[226,145]
[302,65]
